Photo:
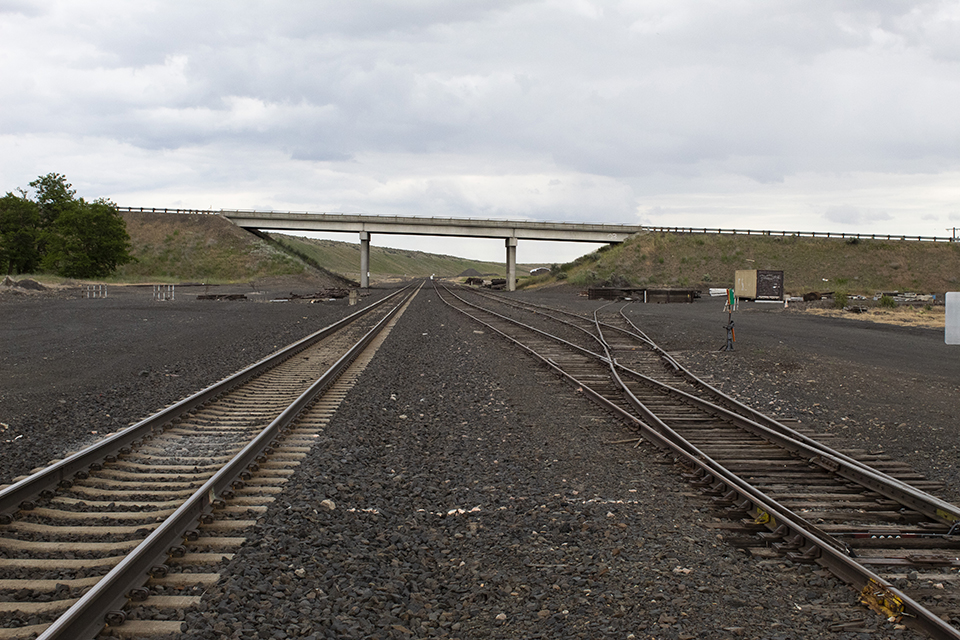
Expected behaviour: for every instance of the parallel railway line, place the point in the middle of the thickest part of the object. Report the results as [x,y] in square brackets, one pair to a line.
[143,515]
[777,487]
[868,519]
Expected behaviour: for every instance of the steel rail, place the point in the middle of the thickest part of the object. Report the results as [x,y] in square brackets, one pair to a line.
[534,329]
[829,552]
[545,310]
[762,425]
[47,480]
[882,596]
[85,619]
[758,423]
[821,455]
[893,603]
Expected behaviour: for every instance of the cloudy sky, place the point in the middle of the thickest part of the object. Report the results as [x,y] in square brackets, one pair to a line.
[788,115]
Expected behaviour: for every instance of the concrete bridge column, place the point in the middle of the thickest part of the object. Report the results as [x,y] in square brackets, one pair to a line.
[364,259]
[511,264]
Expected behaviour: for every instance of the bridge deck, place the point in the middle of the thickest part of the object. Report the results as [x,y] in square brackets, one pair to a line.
[409,225]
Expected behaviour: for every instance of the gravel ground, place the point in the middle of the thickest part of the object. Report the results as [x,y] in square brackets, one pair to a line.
[73,370]
[477,497]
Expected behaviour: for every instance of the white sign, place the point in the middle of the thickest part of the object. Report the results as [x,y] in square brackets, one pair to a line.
[952,329]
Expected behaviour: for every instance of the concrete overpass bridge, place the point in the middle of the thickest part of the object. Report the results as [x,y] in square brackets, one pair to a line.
[367,225]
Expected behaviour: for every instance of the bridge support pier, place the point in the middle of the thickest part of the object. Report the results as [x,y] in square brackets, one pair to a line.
[511,264]
[364,259]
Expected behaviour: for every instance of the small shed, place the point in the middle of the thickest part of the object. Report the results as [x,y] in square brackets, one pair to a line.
[758,284]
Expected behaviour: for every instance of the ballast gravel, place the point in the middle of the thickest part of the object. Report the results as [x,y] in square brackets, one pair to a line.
[461,491]
[73,370]
[477,496]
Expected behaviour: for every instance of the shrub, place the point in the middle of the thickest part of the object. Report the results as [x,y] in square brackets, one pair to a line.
[584,278]
[887,302]
[839,300]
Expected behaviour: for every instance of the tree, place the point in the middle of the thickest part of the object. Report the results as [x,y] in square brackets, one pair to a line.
[61,233]
[54,195]
[88,240]
[19,234]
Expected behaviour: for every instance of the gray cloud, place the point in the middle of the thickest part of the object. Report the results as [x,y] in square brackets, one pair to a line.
[474,107]
[850,215]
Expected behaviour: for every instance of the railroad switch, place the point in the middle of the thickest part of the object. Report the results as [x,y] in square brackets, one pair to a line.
[730,306]
[730,336]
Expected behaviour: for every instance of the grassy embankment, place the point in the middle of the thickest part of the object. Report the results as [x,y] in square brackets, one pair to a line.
[809,264]
[179,248]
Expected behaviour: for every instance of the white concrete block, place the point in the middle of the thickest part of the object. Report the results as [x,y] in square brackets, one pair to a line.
[952,330]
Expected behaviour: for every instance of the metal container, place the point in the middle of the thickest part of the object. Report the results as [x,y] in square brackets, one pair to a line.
[758,284]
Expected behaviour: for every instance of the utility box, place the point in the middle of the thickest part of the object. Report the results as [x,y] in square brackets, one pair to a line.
[952,323]
[758,284]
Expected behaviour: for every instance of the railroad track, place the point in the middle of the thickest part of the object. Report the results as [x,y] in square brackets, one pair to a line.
[124,535]
[784,493]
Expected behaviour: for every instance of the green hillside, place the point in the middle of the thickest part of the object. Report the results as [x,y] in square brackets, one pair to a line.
[172,247]
[809,264]
[206,248]
[344,258]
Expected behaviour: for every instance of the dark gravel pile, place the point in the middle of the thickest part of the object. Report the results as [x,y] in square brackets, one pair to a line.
[477,497]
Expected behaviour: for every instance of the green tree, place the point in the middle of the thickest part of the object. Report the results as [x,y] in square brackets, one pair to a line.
[54,195]
[88,240]
[60,232]
[19,234]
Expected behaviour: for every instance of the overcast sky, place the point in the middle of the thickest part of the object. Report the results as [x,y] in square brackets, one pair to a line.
[788,115]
